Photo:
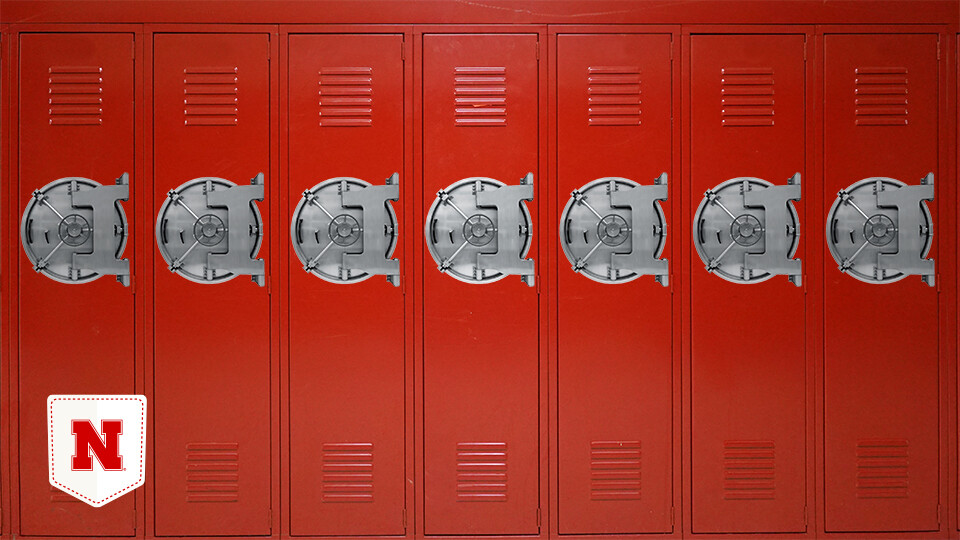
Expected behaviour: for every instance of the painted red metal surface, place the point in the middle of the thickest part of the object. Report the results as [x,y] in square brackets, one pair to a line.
[747,340]
[614,372]
[212,396]
[880,389]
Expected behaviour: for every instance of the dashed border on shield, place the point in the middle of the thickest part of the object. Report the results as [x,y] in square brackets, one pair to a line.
[143,434]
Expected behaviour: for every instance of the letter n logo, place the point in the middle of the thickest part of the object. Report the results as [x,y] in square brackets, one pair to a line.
[106,446]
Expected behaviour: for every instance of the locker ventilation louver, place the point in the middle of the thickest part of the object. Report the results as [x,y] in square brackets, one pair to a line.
[346,97]
[613,96]
[347,472]
[746,97]
[881,96]
[482,471]
[213,472]
[882,468]
[76,95]
[480,96]
[57,496]
[749,470]
[210,96]
[615,470]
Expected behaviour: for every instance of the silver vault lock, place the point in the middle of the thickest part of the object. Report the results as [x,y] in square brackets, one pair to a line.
[879,230]
[344,230]
[74,230]
[479,230]
[209,230]
[746,230]
[613,230]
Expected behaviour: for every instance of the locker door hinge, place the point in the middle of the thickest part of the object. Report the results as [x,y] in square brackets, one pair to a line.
[806,519]
[133,49]
[938,49]
[804,50]
[403,52]
[404,519]
[673,515]
[539,518]
[671,49]
[538,51]
[938,515]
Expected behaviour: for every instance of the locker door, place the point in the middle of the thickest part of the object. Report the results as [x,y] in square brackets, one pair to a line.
[76,120]
[347,337]
[480,340]
[212,340]
[747,101]
[615,381]
[881,390]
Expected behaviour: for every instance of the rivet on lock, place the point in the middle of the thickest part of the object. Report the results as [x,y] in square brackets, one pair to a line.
[209,230]
[479,230]
[613,230]
[344,230]
[879,230]
[746,230]
[74,230]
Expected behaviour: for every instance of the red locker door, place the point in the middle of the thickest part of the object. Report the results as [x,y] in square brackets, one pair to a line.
[614,376]
[212,341]
[880,387]
[76,105]
[747,120]
[480,352]
[346,381]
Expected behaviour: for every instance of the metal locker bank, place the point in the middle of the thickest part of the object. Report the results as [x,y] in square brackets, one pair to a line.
[416,269]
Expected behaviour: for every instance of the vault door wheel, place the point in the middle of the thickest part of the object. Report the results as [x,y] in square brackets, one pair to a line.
[344,230]
[879,230]
[74,230]
[746,230]
[479,230]
[613,230]
[209,230]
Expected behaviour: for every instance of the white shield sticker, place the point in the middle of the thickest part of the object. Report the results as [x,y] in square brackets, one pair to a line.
[96,445]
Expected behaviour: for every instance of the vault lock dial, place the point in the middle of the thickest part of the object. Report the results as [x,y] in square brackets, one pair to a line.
[879,230]
[746,230]
[344,230]
[74,230]
[613,230]
[209,230]
[479,230]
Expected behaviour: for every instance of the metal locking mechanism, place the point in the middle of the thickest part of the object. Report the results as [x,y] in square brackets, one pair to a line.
[74,230]
[613,230]
[209,230]
[879,230]
[746,230]
[479,230]
[344,230]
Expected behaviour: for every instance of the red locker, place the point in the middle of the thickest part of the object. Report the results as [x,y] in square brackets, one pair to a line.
[480,352]
[346,112]
[615,418]
[76,120]
[881,420]
[211,341]
[747,339]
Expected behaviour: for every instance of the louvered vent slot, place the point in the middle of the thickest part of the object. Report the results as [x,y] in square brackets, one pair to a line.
[210,96]
[480,96]
[613,96]
[57,496]
[748,470]
[346,97]
[614,470]
[882,469]
[881,96]
[76,95]
[213,472]
[482,471]
[746,97]
[347,472]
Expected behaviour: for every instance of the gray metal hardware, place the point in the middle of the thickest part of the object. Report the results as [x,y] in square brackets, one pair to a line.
[209,230]
[879,230]
[344,230]
[479,230]
[746,230]
[74,230]
[612,230]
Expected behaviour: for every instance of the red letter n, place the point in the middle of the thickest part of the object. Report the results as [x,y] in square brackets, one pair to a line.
[106,448]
